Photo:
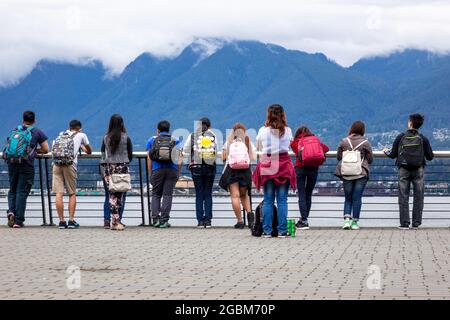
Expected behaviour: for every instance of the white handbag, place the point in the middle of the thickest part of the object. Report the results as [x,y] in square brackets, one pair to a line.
[120,182]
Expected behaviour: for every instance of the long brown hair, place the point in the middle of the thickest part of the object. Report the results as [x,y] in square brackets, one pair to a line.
[276,118]
[303,130]
[358,127]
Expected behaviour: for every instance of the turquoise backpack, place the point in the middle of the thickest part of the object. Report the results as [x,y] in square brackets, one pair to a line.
[19,144]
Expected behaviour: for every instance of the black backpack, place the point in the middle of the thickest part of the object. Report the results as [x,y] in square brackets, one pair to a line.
[410,150]
[161,150]
[257,228]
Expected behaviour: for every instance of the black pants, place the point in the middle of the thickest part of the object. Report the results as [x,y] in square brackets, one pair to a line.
[406,177]
[21,178]
[163,181]
[306,181]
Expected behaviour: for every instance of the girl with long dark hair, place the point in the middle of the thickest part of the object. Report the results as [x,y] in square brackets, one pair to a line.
[117,151]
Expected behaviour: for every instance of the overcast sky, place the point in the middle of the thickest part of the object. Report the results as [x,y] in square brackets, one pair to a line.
[117,31]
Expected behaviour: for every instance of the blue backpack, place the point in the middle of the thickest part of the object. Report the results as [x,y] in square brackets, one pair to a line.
[19,145]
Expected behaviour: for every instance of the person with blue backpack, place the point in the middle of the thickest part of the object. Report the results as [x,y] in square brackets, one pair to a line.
[23,144]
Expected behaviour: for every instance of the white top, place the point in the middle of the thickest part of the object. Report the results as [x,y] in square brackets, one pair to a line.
[79,140]
[271,142]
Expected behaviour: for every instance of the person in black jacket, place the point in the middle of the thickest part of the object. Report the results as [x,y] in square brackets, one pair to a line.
[411,149]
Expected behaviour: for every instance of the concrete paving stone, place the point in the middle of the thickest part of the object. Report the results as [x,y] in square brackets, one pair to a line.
[319,264]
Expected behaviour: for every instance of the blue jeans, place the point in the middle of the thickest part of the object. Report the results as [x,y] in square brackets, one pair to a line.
[203,182]
[106,209]
[306,181]
[21,179]
[353,190]
[270,192]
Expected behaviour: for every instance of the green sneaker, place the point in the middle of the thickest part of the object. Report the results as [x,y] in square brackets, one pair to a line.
[347,224]
[156,224]
[165,225]
[355,225]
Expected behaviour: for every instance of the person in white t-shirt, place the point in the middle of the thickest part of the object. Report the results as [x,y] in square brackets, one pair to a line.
[66,175]
[274,172]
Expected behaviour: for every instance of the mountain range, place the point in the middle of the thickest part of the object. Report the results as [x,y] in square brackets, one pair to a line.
[237,81]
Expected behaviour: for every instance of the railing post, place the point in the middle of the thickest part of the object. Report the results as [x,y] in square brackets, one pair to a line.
[251,206]
[49,195]
[148,193]
[41,185]
[141,188]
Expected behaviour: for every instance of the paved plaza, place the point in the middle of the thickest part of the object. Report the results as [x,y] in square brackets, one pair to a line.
[223,263]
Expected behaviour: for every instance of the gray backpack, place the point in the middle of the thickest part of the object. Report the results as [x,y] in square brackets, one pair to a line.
[63,150]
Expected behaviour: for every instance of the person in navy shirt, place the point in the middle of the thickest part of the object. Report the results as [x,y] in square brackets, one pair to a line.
[163,174]
[21,175]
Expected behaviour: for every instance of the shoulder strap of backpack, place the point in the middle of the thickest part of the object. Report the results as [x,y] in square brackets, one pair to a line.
[350,143]
[27,128]
[359,145]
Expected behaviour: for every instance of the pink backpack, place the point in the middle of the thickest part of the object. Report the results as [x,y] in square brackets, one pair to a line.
[238,156]
[310,152]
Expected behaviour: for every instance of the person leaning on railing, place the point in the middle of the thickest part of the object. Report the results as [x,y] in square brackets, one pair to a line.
[411,149]
[164,167]
[117,151]
[238,152]
[65,170]
[274,172]
[201,145]
[354,173]
[310,155]
[23,145]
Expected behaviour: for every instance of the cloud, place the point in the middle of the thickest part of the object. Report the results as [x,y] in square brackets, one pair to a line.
[117,32]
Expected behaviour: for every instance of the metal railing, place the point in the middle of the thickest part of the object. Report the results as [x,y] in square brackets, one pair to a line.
[379,194]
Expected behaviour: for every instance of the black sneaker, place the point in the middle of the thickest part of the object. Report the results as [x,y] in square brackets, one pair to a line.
[282,235]
[403,227]
[302,225]
[107,224]
[239,225]
[73,225]
[201,225]
[208,224]
[62,225]
[415,226]
[250,219]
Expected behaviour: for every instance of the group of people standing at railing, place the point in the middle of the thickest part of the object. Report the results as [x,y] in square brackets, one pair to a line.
[274,173]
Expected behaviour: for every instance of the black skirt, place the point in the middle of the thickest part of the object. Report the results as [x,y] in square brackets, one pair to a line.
[241,176]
